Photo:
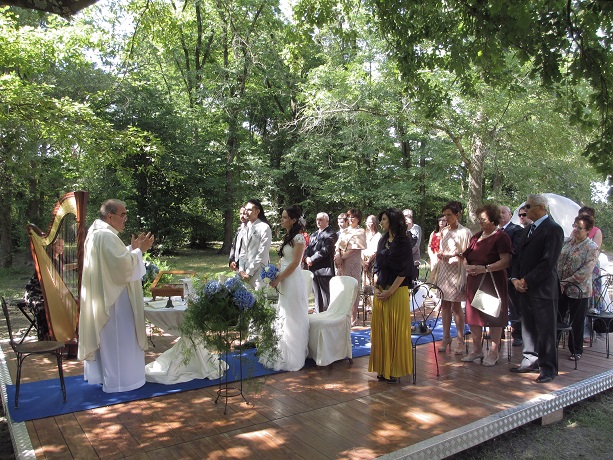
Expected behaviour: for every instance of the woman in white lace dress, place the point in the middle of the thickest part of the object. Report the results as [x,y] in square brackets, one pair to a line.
[293,321]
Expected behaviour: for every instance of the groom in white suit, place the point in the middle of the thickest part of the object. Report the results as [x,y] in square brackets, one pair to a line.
[255,246]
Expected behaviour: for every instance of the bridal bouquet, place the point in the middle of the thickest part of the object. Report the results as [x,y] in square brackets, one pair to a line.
[223,311]
[267,275]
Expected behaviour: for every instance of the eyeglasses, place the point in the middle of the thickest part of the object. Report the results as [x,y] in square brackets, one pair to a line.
[123,215]
[523,214]
[575,226]
[482,220]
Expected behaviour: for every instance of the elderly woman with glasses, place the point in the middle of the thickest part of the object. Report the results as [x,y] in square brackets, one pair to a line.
[577,261]
[487,257]
[348,254]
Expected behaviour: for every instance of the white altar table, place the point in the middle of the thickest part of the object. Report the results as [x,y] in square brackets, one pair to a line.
[185,361]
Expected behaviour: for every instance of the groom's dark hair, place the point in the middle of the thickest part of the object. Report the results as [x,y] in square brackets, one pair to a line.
[258,203]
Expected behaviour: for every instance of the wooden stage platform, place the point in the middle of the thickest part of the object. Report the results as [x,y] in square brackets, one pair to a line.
[337,412]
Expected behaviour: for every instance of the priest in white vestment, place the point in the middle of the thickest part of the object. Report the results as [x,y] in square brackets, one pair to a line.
[112,335]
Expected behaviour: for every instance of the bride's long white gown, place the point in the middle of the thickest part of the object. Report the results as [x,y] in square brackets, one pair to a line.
[293,322]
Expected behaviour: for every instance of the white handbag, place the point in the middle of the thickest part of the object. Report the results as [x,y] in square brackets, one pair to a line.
[485,302]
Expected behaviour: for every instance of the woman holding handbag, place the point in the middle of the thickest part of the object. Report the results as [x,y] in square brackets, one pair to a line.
[487,257]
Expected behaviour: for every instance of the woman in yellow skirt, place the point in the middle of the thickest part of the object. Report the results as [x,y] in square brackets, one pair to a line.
[390,354]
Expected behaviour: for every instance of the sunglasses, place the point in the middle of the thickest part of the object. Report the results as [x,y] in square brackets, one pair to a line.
[523,214]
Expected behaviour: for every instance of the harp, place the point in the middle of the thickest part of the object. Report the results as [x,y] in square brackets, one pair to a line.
[58,259]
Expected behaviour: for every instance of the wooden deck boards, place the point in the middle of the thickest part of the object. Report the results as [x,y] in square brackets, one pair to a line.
[341,411]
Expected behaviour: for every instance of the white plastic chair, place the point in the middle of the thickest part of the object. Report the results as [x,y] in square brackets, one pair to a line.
[307,275]
[330,331]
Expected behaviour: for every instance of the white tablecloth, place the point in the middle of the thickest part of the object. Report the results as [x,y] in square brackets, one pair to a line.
[184,361]
[167,319]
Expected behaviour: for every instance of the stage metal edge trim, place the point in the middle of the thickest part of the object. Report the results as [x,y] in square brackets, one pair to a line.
[475,433]
[22,444]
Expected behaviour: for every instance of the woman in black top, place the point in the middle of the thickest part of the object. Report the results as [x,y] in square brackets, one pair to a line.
[390,355]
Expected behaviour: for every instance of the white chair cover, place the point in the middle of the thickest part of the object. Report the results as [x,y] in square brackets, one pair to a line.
[420,295]
[307,275]
[330,331]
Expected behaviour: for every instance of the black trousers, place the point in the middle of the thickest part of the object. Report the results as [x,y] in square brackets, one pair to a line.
[538,329]
[321,292]
[576,309]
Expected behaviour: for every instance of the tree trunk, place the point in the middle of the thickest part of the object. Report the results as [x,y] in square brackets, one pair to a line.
[6,243]
[475,178]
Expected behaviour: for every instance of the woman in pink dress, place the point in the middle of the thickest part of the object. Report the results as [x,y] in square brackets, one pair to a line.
[348,255]
[488,254]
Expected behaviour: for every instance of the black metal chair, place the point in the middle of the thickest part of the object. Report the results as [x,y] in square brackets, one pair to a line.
[25,349]
[426,301]
[366,295]
[602,320]
[565,319]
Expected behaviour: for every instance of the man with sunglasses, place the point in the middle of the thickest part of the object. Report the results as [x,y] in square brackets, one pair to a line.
[534,275]
[523,217]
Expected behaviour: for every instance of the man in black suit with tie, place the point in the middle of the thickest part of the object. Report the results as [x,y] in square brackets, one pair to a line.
[535,278]
[319,257]
[514,231]
[235,250]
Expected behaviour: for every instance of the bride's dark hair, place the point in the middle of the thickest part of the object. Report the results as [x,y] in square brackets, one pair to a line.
[293,212]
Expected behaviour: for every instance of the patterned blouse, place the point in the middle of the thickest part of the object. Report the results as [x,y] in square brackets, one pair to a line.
[576,263]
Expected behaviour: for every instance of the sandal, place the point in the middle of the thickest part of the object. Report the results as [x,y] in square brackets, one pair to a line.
[490,361]
[459,349]
[444,344]
[469,358]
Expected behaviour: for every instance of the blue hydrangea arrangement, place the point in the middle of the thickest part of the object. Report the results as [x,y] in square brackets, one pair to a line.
[221,310]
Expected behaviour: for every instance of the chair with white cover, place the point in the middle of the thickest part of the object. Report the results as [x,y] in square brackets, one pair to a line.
[307,275]
[330,331]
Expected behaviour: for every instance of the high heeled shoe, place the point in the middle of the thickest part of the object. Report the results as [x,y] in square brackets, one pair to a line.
[490,360]
[444,344]
[459,349]
[472,356]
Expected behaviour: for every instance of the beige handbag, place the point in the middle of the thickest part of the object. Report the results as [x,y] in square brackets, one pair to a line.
[485,302]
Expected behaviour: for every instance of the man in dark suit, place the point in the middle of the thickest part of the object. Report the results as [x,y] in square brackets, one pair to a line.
[235,249]
[514,231]
[535,278]
[319,257]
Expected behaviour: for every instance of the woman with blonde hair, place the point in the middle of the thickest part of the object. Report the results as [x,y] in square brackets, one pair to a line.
[348,255]
[368,255]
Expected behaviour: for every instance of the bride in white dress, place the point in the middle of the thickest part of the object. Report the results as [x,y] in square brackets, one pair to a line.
[293,320]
